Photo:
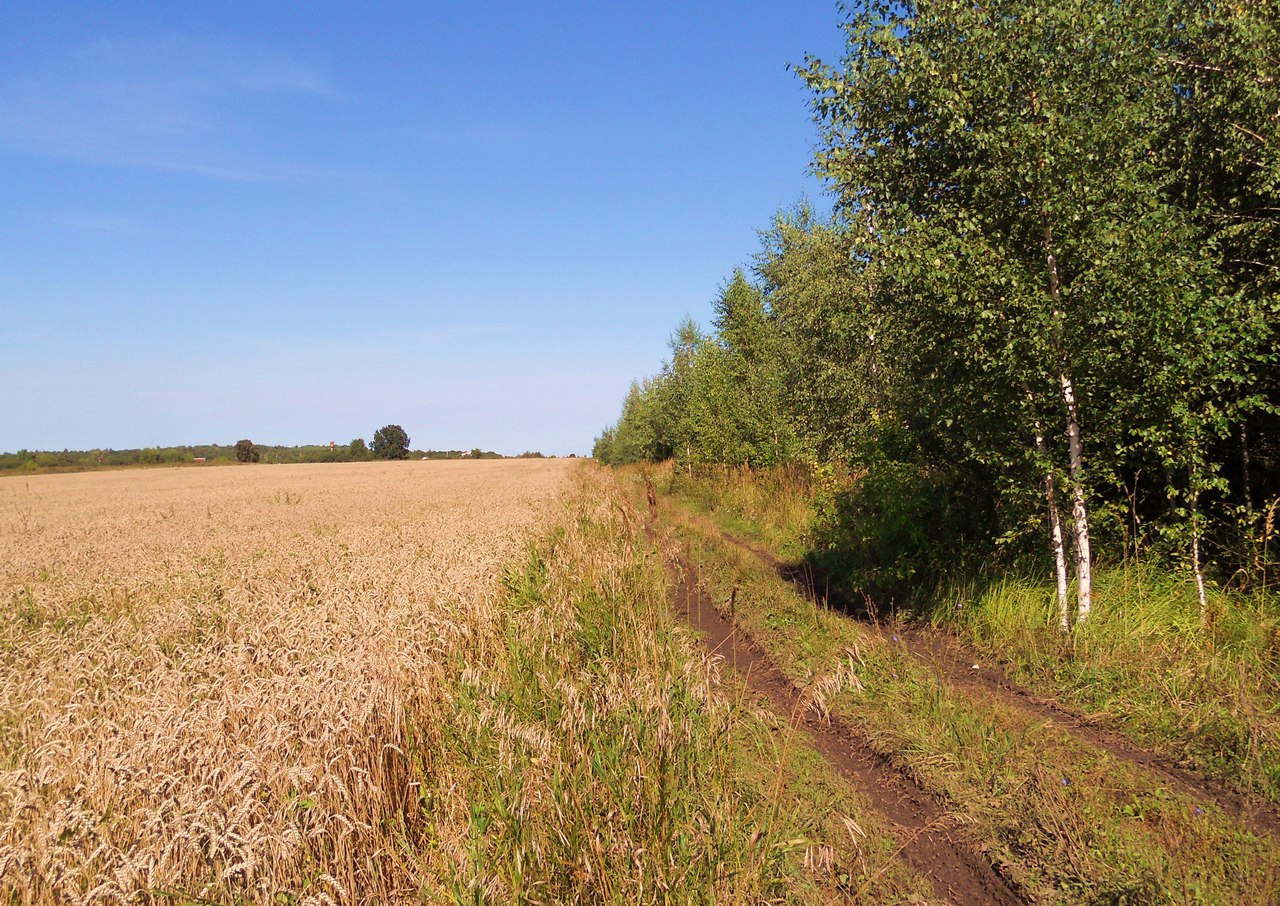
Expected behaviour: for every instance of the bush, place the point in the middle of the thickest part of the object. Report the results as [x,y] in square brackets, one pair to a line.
[898,530]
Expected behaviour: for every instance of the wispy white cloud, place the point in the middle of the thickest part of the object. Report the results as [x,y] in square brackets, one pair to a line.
[168,102]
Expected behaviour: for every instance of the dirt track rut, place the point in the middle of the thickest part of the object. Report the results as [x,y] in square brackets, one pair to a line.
[925,831]
[957,662]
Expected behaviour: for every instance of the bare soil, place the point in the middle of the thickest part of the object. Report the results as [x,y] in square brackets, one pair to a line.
[966,668]
[929,837]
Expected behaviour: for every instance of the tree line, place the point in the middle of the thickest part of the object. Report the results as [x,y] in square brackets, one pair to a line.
[389,442]
[1040,322]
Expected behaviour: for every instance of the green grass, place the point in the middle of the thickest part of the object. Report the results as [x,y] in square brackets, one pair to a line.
[1070,823]
[766,505]
[1143,662]
[606,759]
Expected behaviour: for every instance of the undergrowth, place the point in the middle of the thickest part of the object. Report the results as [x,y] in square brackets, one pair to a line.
[605,759]
[1067,822]
[1143,661]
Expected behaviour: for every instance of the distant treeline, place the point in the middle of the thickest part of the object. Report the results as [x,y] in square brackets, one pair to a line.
[1042,321]
[70,460]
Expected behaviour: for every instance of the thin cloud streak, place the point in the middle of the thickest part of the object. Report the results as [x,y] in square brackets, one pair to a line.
[169,103]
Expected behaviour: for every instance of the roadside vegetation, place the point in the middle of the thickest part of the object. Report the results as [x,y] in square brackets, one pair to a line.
[1017,400]
[592,752]
[1065,819]
[1143,663]
[359,685]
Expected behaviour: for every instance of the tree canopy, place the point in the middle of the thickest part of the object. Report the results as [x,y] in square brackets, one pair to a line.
[390,442]
[1042,316]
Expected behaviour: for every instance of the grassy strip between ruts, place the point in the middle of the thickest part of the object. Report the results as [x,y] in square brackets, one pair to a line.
[592,753]
[1069,822]
[1143,661]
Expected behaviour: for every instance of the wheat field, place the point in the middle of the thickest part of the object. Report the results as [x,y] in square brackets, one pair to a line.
[206,675]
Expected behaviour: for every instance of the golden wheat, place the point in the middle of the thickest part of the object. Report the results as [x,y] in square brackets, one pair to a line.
[205,675]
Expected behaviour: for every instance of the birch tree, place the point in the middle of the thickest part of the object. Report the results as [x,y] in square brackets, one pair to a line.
[997,158]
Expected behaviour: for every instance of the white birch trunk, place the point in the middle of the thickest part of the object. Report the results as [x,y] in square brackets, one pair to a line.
[1059,553]
[1055,528]
[1079,512]
[1056,539]
[1196,568]
[1075,449]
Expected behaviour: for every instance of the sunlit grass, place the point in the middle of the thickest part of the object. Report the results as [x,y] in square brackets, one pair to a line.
[1069,823]
[1145,659]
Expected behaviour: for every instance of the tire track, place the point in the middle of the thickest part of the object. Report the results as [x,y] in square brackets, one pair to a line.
[964,667]
[925,831]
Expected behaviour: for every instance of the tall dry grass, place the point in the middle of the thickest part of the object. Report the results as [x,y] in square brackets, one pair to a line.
[593,751]
[206,676]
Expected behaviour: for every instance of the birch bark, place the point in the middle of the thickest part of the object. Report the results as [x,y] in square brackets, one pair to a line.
[1075,448]
[1079,511]
[1056,539]
[1055,536]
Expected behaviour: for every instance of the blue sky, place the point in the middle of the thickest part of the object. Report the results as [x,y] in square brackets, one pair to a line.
[298,222]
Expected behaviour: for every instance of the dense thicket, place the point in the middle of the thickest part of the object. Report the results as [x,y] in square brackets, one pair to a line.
[1041,322]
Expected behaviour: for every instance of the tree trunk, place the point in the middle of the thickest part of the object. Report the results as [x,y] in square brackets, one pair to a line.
[1055,527]
[1196,567]
[1056,539]
[1075,449]
[1079,512]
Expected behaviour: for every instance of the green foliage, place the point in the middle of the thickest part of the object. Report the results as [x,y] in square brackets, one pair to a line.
[896,531]
[358,451]
[1051,223]
[642,430]
[837,357]
[390,442]
[719,399]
